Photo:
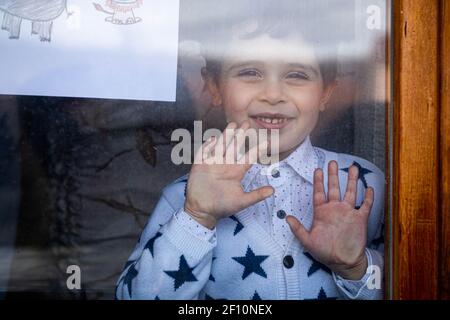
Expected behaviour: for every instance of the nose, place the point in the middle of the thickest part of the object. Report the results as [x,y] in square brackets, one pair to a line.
[272,92]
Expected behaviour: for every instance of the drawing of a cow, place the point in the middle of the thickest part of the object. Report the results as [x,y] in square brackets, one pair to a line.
[41,13]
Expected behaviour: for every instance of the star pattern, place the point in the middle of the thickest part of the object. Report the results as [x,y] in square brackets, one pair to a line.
[151,242]
[256,296]
[323,296]
[362,173]
[239,225]
[182,275]
[316,265]
[128,264]
[140,236]
[251,263]
[211,277]
[128,278]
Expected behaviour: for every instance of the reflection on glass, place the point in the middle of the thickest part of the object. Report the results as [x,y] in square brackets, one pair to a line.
[85,178]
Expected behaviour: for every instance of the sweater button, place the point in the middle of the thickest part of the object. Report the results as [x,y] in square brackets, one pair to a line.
[275,173]
[288,261]
[281,214]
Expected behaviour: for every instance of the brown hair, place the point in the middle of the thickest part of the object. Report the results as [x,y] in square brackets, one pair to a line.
[278,19]
[320,23]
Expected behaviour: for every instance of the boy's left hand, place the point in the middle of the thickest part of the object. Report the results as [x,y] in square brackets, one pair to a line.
[338,233]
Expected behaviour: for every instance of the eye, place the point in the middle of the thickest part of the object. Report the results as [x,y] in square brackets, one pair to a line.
[250,73]
[297,75]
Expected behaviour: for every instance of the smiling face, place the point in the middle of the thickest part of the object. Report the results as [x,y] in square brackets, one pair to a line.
[272,83]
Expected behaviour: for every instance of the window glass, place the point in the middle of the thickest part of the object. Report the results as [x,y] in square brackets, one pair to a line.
[92,97]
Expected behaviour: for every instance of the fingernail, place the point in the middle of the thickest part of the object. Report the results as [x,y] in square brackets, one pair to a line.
[288,221]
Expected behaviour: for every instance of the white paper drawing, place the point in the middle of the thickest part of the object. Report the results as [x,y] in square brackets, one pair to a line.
[81,54]
[40,13]
[120,12]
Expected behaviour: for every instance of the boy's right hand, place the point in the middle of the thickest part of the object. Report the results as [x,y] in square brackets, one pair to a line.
[214,190]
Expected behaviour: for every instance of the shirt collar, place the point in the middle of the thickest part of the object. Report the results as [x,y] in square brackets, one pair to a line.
[303,161]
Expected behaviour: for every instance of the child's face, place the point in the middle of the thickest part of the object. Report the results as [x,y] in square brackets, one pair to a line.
[273,84]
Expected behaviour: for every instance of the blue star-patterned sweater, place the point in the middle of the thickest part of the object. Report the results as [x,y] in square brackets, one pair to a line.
[243,257]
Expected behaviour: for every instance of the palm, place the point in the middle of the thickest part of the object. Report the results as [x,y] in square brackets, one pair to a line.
[214,186]
[219,187]
[338,234]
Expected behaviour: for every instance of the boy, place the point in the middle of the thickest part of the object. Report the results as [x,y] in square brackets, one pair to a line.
[233,232]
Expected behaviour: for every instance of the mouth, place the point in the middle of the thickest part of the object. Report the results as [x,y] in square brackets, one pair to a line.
[271,120]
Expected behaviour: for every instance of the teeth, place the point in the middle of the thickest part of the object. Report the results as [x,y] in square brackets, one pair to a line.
[272,120]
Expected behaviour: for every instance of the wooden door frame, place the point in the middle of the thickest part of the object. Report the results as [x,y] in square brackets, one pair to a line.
[444,258]
[419,224]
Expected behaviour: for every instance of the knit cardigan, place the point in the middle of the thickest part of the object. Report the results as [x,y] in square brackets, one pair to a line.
[242,261]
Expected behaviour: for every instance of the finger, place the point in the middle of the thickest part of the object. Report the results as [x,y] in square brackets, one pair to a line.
[230,149]
[352,183]
[251,157]
[224,139]
[204,151]
[230,133]
[262,149]
[368,202]
[235,143]
[263,154]
[252,197]
[334,193]
[298,230]
[319,196]
[240,141]
[209,146]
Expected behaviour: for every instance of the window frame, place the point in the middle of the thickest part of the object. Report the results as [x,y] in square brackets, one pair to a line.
[418,257]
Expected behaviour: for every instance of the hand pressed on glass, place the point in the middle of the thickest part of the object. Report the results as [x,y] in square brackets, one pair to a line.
[338,234]
[214,191]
